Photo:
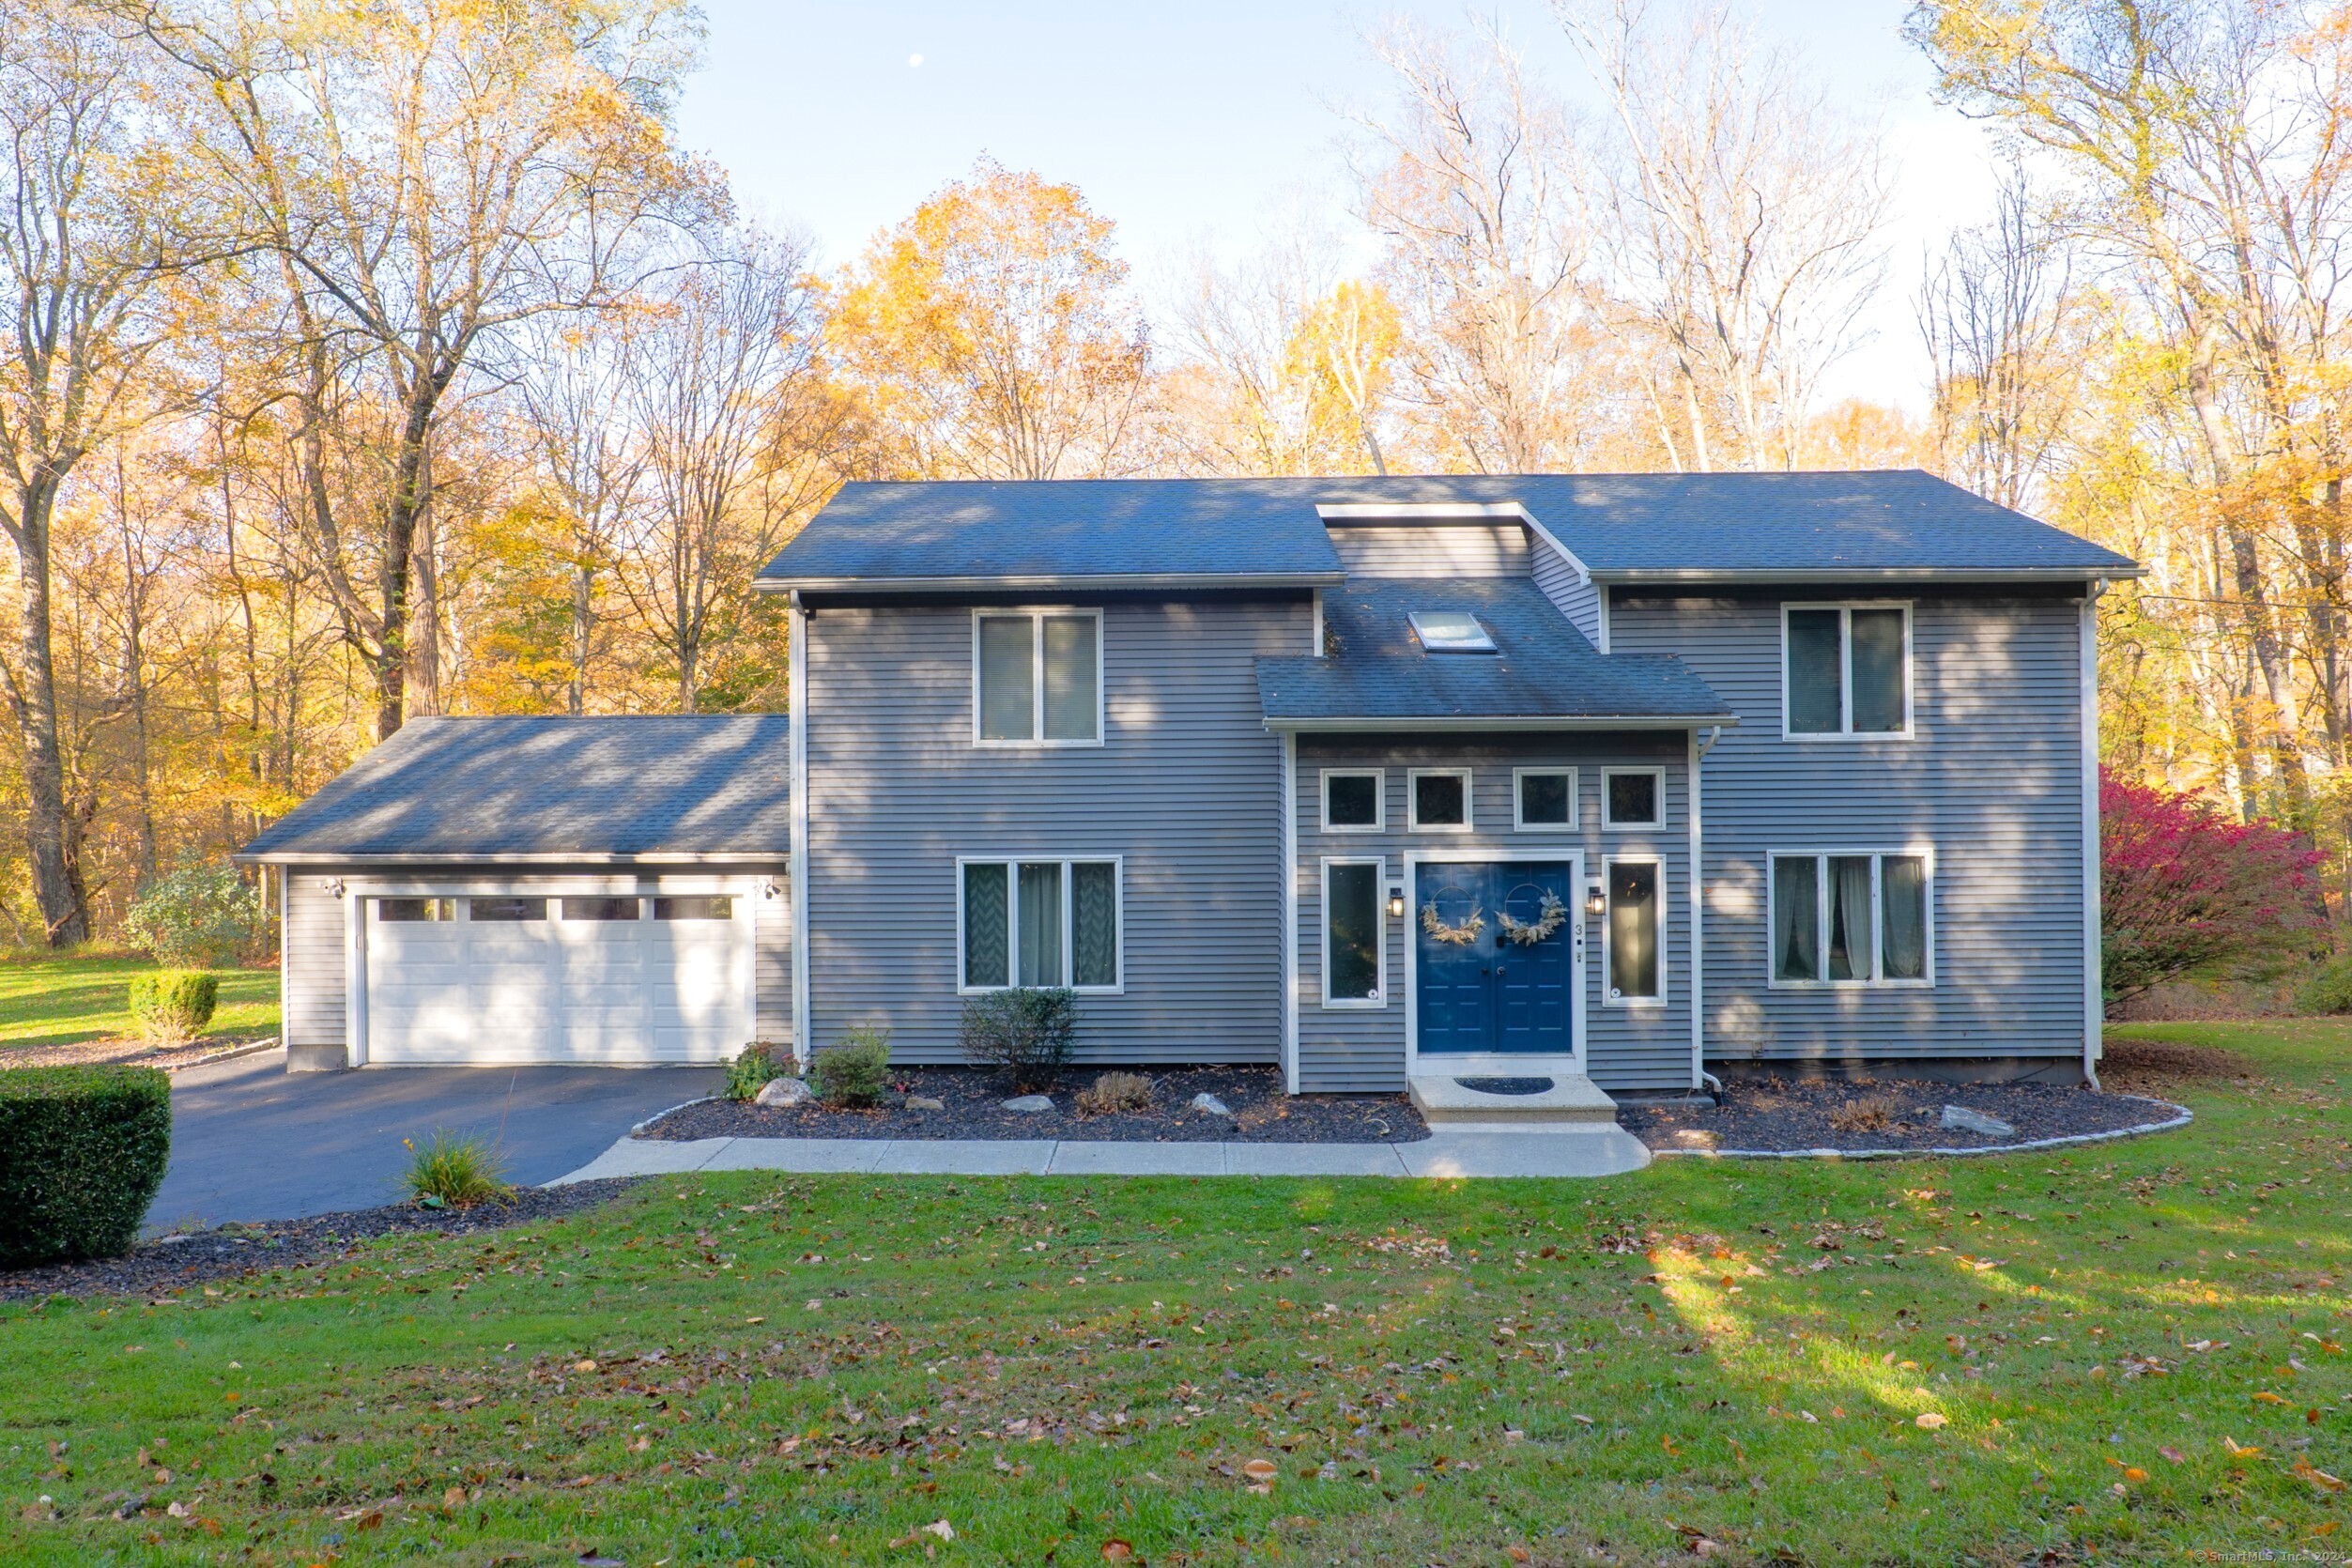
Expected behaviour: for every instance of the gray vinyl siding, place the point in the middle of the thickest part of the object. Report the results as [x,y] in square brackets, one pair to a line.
[1186,789]
[1579,599]
[1433,551]
[311,982]
[1991,779]
[772,964]
[1363,1049]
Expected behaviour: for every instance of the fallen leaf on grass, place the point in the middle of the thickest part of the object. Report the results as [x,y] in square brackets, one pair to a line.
[2134,1474]
[942,1528]
[2237,1452]
[2173,1454]
[2318,1478]
[1259,1470]
[1932,1420]
[2267,1397]
[1117,1550]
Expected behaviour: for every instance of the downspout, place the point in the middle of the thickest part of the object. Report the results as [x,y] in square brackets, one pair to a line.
[796,707]
[2094,996]
[1698,1074]
[1290,944]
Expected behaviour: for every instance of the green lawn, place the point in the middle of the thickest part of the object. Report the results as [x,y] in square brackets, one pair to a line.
[2135,1352]
[52,1001]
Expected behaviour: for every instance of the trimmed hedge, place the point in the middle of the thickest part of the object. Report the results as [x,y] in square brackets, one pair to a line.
[174,1004]
[82,1152]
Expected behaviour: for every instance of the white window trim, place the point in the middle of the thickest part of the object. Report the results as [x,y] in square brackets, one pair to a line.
[1821,919]
[1575,803]
[1036,615]
[1845,670]
[1379,777]
[1380,920]
[1012,917]
[1610,823]
[1664,904]
[1412,801]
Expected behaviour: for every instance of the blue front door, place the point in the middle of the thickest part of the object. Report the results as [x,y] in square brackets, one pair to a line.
[1478,991]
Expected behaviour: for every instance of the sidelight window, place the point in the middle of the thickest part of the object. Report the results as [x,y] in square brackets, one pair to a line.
[1354,934]
[1636,960]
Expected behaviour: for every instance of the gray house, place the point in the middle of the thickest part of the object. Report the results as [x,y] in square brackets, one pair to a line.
[1630,778]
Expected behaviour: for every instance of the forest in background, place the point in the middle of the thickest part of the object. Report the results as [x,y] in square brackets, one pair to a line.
[377,360]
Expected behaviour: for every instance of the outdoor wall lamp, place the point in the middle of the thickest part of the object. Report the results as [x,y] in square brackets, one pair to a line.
[1596,901]
[1396,903]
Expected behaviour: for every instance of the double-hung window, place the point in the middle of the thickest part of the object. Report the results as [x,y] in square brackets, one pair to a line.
[1859,917]
[1037,677]
[1038,922]
[1846,669]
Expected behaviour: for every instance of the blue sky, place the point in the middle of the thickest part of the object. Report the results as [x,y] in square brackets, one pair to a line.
[1190,123]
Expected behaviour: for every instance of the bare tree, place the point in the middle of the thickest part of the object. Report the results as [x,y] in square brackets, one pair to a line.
[1737,213]
[79,271]
[1469,180]
[1996,312]
[724,397]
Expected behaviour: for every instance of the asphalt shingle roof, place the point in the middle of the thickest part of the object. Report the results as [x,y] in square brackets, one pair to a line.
[1543,668]
[618,788]
[955,531]
[1624,527]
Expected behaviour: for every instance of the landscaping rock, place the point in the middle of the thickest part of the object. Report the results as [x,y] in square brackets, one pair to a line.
[925,1102]
[784,1091]
[1962,1119]
[1210,1105]
[1029,1104]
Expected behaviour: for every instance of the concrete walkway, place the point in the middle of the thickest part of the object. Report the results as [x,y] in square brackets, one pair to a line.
[1575,1150]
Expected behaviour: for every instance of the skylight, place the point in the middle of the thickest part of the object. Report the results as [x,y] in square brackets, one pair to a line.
[1450,631]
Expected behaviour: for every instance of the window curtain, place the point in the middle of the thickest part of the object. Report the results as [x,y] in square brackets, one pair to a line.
[986,934]
[1093,897]
[1796,919]
[1632,930]
[1850,917]
[1039,914]
[1008,678]
[1903,891]
[1071,681]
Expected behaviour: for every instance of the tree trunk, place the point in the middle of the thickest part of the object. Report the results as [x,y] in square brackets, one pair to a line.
[50,840]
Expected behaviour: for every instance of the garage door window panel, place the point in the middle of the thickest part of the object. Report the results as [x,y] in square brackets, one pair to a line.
[416,910]
[601,909]
[698,906]
[506,911]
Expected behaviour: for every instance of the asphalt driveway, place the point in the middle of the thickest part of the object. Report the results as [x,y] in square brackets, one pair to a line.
[249,1141]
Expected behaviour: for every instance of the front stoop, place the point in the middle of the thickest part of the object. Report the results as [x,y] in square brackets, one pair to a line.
[1443,1101]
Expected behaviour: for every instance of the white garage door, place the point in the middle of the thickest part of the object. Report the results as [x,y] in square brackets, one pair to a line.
[550,976]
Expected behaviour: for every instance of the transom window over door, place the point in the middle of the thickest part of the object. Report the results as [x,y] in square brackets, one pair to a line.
[1855,919]
[1037,678]
[1846,669]
[1038,922]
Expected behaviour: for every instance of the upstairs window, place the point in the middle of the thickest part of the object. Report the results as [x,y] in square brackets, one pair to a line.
[1846,669]
[1352,801]
[1450,631]
[1037,678]
[1439,798]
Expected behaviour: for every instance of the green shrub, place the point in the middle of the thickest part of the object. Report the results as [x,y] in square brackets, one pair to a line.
[856,1070]
[755,1066]
[174,1004]
[2328,990]
[453,1172]
[82,1152]
[1026,1033]
[195,916]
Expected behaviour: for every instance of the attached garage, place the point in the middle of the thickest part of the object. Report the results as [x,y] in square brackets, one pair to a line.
[585,891]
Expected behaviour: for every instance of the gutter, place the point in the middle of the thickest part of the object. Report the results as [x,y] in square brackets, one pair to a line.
[534,857]
[1102,582]
[1633,575]
[1358,723]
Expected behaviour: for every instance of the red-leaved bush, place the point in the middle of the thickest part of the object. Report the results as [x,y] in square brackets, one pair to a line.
[2185,890]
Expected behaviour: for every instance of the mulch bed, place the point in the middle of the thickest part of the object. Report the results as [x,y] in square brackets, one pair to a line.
[130,1052]
[1262,1113]
[1783,1115]
[159,1269]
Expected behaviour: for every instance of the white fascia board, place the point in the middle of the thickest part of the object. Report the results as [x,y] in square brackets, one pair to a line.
[1375,723]
[540,857]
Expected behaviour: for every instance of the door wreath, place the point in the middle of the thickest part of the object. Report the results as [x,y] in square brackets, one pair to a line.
[1527,933]
[1461,935]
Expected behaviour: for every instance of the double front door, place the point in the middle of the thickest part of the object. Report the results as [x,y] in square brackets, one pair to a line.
[1495,951]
